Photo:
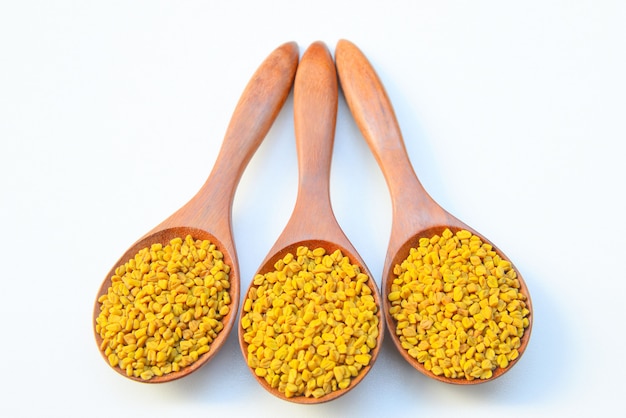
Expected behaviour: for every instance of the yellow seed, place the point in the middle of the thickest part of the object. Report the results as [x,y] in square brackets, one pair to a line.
[451,307]
[339,373]
[318,393]
[393,296]
[113,359]
[363,359]
[147,374]
[492,282]
[463,234]
[502,361]
[457,294]
[437,370]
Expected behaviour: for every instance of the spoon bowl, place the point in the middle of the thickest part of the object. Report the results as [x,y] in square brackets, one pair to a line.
[207,216]
[415,214]
[312,222]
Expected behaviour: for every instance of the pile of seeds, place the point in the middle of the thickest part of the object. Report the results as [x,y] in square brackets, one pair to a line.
[310,324]
[458,306]
[164,307]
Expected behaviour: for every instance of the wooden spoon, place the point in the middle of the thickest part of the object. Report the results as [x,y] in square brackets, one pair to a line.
[414,213]
[208,214]
[313,223]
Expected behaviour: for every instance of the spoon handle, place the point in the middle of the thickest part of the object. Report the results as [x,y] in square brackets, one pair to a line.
[315,115]
[255,112]
[258,106]
[374,115]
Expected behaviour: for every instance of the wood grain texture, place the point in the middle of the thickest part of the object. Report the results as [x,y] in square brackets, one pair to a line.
[312,222]
[208,214]
[414,212]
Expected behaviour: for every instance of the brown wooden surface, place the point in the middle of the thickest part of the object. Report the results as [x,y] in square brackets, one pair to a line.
[208,214]
[313,222]
[414,213]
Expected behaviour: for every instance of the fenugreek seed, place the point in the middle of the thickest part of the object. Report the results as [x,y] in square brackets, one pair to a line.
[437,370]
[318,252]
[463,234]
[451,307]
[492,282]
[363,359]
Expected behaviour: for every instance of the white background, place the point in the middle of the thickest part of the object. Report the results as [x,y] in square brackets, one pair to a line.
[111,116]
